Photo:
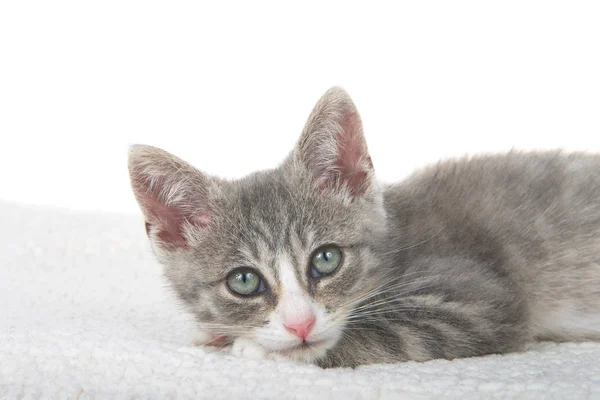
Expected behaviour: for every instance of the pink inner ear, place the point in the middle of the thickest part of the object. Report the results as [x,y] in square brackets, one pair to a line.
[201,220]
[352,154]
[169,220]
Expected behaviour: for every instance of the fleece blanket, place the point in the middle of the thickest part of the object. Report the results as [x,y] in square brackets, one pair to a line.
[85,313]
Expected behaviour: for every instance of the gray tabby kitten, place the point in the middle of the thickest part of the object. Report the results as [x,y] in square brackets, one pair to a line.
[317,262]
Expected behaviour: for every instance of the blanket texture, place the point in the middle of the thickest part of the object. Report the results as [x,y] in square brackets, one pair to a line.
[85,313]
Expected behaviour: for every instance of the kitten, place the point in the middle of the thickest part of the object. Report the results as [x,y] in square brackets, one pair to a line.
[317,262]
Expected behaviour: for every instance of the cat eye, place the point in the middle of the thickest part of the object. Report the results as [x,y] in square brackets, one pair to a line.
[325,261]
[245,282]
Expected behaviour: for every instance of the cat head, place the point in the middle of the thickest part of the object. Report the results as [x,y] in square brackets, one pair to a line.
[279,257]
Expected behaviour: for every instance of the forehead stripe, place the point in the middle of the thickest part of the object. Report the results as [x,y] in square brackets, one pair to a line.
[287,274]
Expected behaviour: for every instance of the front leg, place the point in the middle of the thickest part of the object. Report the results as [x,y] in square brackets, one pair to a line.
[206,339]
[240,347]
[246,348]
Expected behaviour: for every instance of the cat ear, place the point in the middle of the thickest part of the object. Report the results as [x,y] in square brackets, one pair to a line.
[333,147]
[171,193]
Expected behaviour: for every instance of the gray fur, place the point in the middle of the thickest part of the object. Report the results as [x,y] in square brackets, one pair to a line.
[464,258]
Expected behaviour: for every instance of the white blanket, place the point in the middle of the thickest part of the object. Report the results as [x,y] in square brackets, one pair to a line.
[85,313]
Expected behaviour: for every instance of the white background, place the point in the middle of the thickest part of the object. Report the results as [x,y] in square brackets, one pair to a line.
[228,86]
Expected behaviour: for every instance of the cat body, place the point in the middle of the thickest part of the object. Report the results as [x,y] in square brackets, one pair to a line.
[495,252]
[316,261]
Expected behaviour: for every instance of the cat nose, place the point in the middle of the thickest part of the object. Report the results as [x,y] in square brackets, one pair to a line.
[301,329]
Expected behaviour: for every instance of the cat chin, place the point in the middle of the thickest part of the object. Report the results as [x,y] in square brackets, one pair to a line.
[304,353]
[307,353]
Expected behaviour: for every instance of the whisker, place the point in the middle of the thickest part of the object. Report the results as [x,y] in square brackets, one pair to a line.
[389,286]
[396,297]
[395,251]
[386,311]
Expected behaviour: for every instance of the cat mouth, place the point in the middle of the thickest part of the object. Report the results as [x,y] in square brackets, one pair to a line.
[306,347]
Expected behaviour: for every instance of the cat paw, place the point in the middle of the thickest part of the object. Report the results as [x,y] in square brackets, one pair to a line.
[248,349]
[202,338]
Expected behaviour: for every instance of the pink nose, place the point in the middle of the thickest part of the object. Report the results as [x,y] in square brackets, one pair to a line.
[301,329]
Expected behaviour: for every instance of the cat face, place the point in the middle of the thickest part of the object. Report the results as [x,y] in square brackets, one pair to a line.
[280,257]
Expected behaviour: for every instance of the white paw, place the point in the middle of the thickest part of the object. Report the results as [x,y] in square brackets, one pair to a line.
[200,338]
[246,348]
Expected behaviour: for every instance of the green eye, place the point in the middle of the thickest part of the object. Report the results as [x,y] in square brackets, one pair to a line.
[245,282]
[326,260]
